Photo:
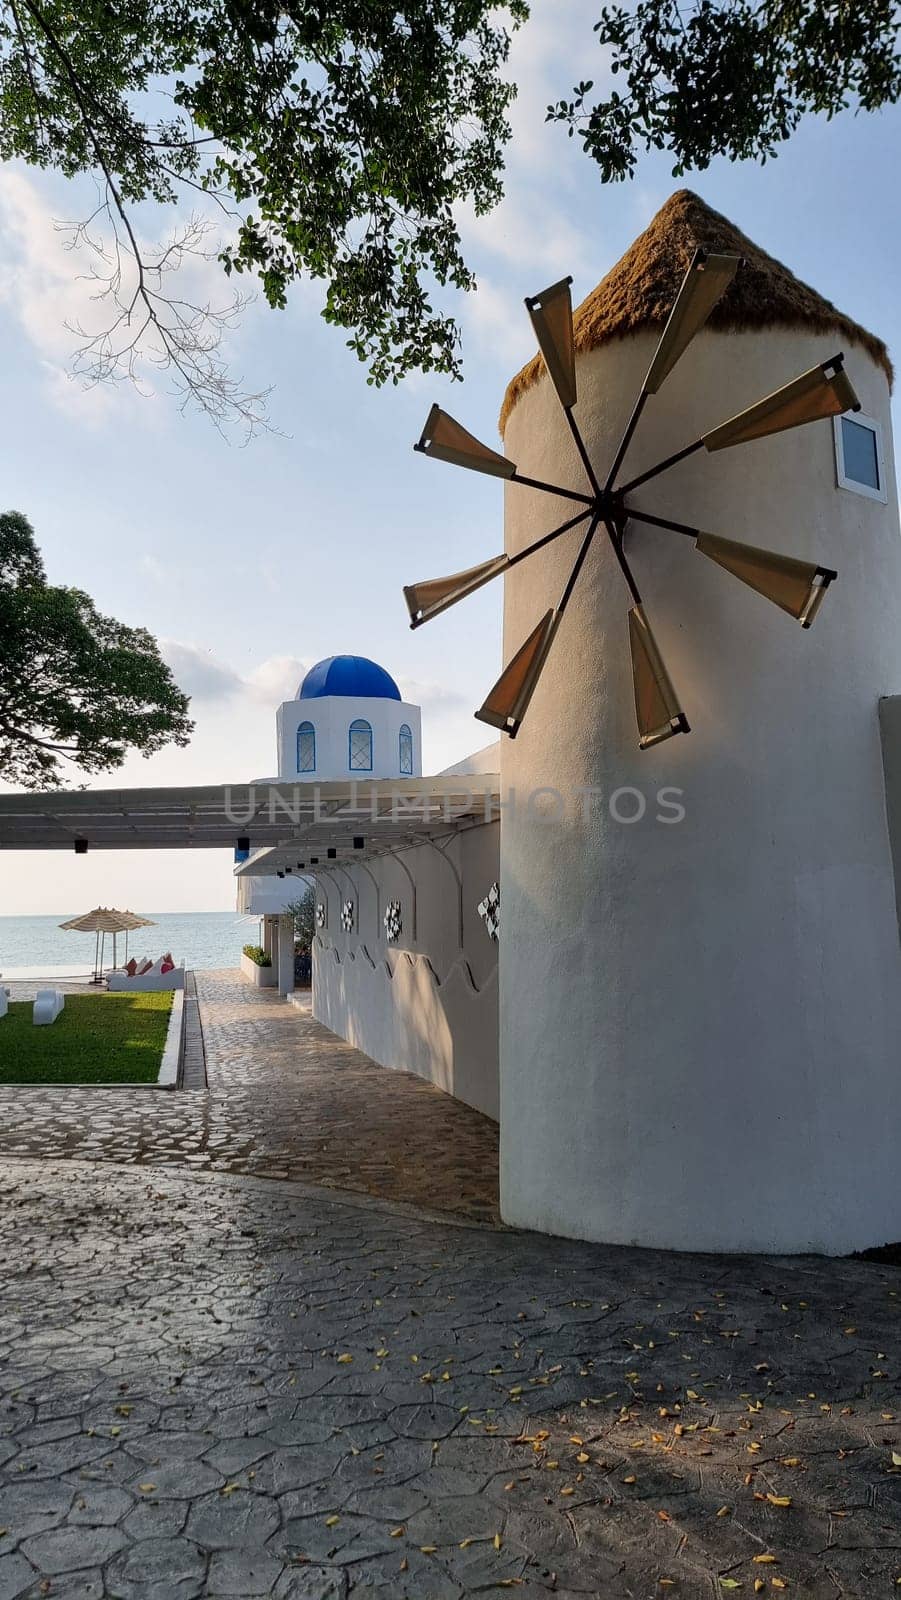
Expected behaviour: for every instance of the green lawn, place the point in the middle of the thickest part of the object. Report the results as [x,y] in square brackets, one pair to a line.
[116,1038]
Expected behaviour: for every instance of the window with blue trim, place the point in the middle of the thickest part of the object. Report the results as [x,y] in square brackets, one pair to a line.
[406,751]
[306,747]
[359,757]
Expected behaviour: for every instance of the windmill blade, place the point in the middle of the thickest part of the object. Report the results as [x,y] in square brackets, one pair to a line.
[824,391]
[551,312]
[656,706]
[796,586]
[507,702]
[706,281]
[429,599]
[447,440]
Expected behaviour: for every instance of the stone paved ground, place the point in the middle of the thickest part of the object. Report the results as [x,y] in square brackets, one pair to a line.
[219,1386]
[286,1099]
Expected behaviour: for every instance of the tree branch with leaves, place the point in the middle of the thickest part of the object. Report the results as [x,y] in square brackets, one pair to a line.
[338,140]
[702,78]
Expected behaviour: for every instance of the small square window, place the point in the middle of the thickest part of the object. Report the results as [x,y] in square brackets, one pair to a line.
[859,461]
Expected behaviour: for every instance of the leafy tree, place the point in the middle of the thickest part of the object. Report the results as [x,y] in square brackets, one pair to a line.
[701,78]
[73,684]
[303,910]
[339,136]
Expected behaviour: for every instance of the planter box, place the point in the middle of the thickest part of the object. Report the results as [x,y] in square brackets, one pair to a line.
[263,977]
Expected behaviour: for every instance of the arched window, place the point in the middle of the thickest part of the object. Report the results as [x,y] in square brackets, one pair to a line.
[306,747]
[360,746]
[406,751]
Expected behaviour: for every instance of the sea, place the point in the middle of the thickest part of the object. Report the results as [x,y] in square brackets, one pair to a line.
[38,947]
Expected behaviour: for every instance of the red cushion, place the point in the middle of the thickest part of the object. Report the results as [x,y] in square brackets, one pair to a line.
[168,966]
[168,956]
[131,967]
[144,967]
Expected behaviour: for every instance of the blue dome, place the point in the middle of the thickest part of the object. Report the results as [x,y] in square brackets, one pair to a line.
[348,675]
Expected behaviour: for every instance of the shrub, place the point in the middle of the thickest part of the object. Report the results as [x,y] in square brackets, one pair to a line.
[255,952]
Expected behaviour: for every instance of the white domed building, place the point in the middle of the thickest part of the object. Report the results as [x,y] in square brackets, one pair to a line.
[348,719]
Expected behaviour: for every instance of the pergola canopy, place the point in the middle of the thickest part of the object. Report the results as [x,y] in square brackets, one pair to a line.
[354,819]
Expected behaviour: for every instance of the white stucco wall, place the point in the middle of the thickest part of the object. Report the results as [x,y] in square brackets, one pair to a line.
[700,1023]
[427,1004]
[331,716]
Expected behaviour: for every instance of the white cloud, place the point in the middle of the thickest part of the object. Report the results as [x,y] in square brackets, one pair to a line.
[529,234]
[198,673]
[496,324]
[556,47]
[204,677]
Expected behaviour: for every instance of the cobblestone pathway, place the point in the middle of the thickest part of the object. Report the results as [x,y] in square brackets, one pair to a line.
[286,1099]
[215,1386]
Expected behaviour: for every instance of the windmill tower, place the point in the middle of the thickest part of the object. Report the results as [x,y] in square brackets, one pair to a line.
[700,970]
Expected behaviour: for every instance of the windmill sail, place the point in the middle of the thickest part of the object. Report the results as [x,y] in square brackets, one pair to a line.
[797,586]
[445,439]
[551,312]
[506,704]
[656,706]
[427,600]
[705,282]
[824,391]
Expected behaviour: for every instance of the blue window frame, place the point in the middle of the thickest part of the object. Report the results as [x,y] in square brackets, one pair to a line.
[306,747]
[359,757]
[406,751]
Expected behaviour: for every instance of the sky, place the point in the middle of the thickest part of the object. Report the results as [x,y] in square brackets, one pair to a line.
[251,562]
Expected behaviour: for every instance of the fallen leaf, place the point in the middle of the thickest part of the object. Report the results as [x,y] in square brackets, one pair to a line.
[342,1360]
[147,1488]
[779,1499]
[397,1533]
[762,1559]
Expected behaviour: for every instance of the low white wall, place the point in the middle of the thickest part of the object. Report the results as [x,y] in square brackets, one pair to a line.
[427,1004]
[261,977]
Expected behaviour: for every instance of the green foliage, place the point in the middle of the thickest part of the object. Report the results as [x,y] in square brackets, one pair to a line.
[73,684]
[114,1038]
[256,953]
[303,910]
[730,77]
[342,139]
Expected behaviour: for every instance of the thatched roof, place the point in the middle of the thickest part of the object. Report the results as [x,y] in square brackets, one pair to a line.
[639,291]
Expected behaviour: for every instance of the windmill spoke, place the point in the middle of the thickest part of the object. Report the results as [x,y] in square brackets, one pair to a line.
[578,564]
[553,488]
[583,453]
[615,534]
[661,466]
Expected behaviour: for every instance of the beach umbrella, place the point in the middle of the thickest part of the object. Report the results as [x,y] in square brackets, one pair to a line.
[101,921]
